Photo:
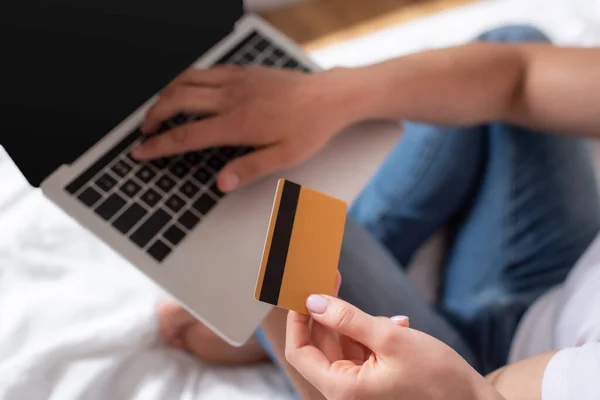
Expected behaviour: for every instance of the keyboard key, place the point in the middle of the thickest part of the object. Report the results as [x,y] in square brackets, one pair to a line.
[106,182]
[130,188]
[193,157]
[248,58]
[228,152]
[110,206]
[278,53]
[197,117]
[165,183]
[269,62]
[189,189]
[175,203]
[121,168]
[215,189]
[89,197]
[149,229]
[242,151]
[151,197]
[291,64]
[161,163]
[179,169]
[165,126]
[159,250]
[205,153]
[129,218]
[216,163]
[202,175]
[179,119]
[131,159]
[174,235]
[262,45]
[204,204]
[189,220]
[145,174]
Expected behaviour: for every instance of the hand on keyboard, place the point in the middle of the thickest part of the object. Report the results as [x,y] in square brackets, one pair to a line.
[286,115]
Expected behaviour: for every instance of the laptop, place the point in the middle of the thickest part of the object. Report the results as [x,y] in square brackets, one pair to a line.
[82,76]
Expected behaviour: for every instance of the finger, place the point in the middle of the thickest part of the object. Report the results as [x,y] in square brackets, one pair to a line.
[211,77]
[324,340]
[353,350]
[209,132]
[348,320]
[338,283]
[309,361]
[297,331]
[186,100]
[257,164]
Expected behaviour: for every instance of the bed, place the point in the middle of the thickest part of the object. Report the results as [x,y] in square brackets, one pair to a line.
[77,322]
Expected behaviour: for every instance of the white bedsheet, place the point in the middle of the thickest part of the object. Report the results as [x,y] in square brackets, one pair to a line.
[77,322]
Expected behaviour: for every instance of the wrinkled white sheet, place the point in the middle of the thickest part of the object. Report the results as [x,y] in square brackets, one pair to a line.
[77,322]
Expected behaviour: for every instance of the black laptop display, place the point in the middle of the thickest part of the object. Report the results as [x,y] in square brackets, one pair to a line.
[74,69]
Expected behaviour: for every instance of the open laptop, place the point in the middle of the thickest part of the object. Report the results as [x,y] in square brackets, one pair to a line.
[83,74]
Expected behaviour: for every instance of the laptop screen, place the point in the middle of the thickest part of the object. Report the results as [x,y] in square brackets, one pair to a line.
[75,69]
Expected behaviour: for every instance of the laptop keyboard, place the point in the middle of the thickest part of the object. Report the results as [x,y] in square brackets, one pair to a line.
[156,204]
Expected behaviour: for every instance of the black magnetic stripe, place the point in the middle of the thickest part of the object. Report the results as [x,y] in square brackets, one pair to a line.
[102,162]
[280,243]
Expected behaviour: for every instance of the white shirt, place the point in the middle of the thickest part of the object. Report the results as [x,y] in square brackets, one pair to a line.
[567,318]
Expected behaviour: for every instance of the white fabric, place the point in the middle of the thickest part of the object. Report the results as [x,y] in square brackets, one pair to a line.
[76,322]
[567,317]
[561,19]
[573,374]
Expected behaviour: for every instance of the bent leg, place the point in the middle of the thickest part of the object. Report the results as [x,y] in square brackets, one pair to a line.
[373,281]
[534,213]
[424,181]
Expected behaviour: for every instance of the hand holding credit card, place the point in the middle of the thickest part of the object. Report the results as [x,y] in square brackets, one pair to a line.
[302,248]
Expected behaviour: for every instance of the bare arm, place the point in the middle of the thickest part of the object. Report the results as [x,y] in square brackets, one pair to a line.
[536,85]
[289,116]
[274,327]
[522,380]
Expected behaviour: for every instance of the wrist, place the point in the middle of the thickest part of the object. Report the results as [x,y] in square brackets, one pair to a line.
[483,389]
[350,96]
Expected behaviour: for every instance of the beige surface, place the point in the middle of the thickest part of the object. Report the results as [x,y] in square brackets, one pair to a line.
[317,23]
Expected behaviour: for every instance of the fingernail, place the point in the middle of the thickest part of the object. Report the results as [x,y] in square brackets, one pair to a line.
[229,181]
[399,318]
[317,304]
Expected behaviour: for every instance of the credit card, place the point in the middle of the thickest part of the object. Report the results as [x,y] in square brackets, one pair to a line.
[302,248]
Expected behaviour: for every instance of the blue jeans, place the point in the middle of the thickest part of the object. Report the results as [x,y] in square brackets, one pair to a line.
[522,206]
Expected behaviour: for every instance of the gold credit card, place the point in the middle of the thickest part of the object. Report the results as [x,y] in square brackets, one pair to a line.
[303,247]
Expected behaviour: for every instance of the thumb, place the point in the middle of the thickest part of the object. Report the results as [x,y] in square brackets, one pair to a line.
[375,333]
[252,166]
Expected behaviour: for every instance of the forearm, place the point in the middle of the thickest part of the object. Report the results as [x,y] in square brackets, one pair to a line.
[274,328]
[540,86]
[522,380]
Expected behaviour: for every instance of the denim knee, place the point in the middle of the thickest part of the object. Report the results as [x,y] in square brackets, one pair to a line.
[514,34]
